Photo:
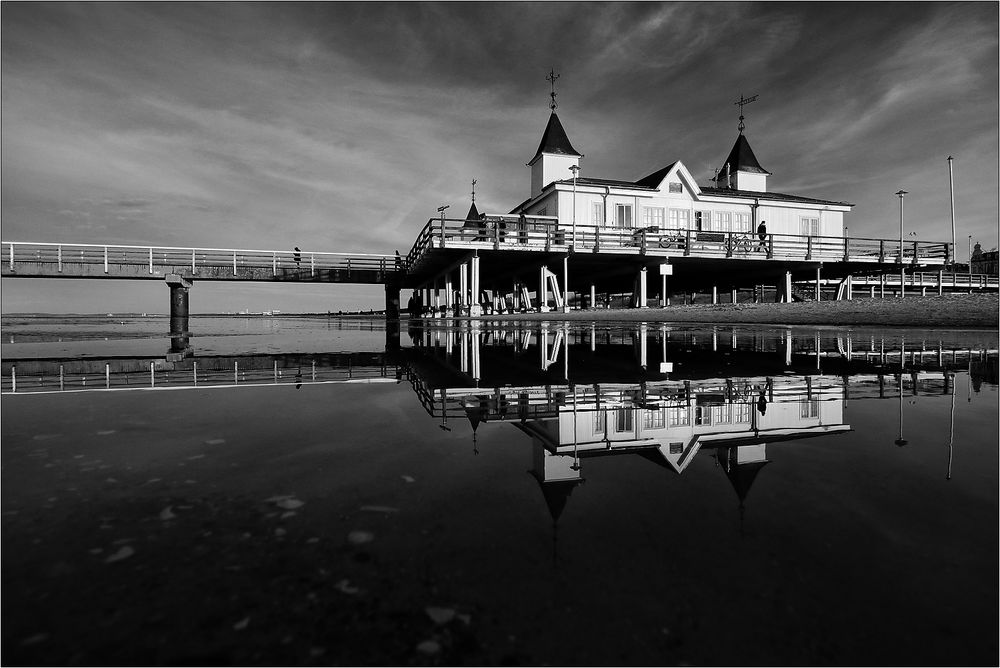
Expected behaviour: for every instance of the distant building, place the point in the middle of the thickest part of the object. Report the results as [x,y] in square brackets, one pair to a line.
[985,262]
[670,197]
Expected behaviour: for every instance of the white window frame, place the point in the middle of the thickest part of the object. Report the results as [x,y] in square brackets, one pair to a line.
[722,221]
[597,213]
[702,220]
[680,219]
[809,226]
[741,222]
[653,216]
[623,221]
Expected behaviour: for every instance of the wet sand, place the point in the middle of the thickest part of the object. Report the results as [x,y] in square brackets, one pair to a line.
[976,311]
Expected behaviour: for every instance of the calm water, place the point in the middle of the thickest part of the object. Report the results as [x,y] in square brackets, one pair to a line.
[290,491]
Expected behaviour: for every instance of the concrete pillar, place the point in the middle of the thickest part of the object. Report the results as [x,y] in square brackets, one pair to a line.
[475,307]
[849,287]
[787,288]
[715,294]
[179,303]
[437,299]
[872,292]
[642,288]
[819,294]
[463,288]
[391,299]
[732,296]
[593,296]
[543,290]
[449,295]
[643,353]
[940,283]
[902,281]
[788,349]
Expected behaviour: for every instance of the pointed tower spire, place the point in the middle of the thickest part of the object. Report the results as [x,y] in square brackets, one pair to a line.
[555,154]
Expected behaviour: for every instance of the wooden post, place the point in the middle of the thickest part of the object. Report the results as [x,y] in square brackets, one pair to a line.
[817,284]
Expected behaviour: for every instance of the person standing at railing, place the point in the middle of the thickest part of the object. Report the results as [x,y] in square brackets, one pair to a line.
[297,256]
[762,235]
[399,261]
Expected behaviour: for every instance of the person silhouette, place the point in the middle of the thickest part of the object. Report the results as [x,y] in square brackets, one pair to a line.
[762,235]
[762,403]
[297,256]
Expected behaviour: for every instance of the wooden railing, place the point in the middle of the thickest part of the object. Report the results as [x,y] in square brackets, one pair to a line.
[545,233]
[155,259]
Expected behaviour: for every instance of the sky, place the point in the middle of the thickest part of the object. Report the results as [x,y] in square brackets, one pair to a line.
[343,126]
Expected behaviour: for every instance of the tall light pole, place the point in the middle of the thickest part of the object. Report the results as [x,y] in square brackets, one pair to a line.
[901,193]
[576,170]
[970,257]
[441,211]
[951,183]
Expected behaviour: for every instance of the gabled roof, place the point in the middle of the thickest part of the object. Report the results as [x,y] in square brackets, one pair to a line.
[741,159]
[753,194]
[654,179]
[554,140]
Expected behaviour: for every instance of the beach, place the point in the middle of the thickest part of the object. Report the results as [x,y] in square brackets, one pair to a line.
[975,311]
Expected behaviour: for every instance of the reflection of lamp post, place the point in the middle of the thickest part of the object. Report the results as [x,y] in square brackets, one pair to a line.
[901,193]
[575,169]
[951,430]
[900,441]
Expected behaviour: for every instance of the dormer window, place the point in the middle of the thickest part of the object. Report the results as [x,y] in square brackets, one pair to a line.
[675,187]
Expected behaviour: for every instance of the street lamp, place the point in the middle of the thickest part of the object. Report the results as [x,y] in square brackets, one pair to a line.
[441,211]
[576,170]
[951,183]
[970,258]
[901,193]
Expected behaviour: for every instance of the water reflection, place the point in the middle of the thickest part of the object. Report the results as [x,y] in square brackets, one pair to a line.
[677,475]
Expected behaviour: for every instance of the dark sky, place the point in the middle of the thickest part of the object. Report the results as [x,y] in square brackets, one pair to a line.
[343,126]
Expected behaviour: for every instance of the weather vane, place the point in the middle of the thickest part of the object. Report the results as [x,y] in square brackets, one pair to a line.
[743,101]
[474,182]
[552,76]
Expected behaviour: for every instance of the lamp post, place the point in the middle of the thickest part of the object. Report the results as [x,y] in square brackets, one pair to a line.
[900,194]
[951,184]
[970,258]
[576,170]
[440,210]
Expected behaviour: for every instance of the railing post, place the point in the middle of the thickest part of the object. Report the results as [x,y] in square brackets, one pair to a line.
[105,259]
[809,247]
[59,255]
[192,260]
[274,263]
[442,232]
[496,235]
[915,251]
[881,250]
[234,263]
[770,246]
[687,242]
[12,257]
[312,264]
[151,260]
[847,248]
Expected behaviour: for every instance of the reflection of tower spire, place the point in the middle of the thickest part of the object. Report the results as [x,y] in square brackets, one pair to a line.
[741,474]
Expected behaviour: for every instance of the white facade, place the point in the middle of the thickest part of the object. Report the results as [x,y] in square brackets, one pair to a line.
[678,203]
[549,167]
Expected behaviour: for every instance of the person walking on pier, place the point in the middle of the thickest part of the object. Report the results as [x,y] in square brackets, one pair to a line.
[762,235]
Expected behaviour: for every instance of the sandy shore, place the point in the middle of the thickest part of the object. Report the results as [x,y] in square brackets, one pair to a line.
[976,311]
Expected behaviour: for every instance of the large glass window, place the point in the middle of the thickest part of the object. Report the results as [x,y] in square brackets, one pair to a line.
[809,227]
[741,222]
[597,213]
[623,420]
[702,220]
[723,221]
[600,420]
[679,416]
[623,215]
[680,219]
[654,418]
[652,216]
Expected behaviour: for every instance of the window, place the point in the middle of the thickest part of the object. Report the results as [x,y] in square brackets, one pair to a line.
[723,221]
[679,219]
[674,187]
[809,227]
[809,409]
[742,222]
[600,420]
[623,420]
[702,219]
[597,216]
[676,448]
[654,418]
[623,215]
[652,216]
[703,415]
[679,417]
[741,413]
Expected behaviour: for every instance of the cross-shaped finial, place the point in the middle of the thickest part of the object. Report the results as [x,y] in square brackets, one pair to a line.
[743,101]
[474,182]
[552,76]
